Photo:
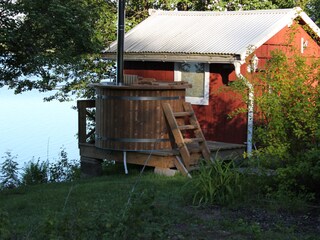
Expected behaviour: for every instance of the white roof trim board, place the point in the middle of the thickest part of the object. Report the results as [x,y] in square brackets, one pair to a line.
[209,36]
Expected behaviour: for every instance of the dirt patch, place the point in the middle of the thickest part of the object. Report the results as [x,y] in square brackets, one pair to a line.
[270,220]
[245,223]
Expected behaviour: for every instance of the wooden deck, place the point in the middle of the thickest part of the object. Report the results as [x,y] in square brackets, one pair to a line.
[226,150]
[91,156]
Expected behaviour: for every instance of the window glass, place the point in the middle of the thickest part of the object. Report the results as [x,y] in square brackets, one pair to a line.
[198,75]
[194,74]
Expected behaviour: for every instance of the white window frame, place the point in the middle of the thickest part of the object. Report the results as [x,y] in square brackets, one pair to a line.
[196,100]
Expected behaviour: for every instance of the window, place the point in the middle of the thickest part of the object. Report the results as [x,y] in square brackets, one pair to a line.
[198,75]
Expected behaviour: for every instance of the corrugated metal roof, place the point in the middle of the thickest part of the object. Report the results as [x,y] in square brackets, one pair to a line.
[205,33]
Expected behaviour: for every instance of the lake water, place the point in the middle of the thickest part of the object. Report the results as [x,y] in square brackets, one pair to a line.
[31,128]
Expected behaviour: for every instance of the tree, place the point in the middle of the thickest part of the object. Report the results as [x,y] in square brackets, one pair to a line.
[9,171]
[46,38]
[313,9]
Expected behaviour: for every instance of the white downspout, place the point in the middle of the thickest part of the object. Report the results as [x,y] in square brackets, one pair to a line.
[237,66]
[125,162]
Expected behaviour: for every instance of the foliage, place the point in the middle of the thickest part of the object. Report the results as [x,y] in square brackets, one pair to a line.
[303,175]
[9,172]
[284,199]
[140,219]
[35,173]
[137,10]
[54,44]
[4,225]
[63,170]
[44,43]
[72,225]
[218,182]
[97,209]
[287,121]
[289,107]
[313,9]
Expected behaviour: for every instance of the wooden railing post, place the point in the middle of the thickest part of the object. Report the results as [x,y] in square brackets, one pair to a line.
[82,105]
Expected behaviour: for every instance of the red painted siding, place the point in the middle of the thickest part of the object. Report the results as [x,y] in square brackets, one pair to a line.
[157,70]
[282,41]
[214,118]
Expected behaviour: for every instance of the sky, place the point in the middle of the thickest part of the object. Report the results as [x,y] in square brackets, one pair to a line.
[31,128]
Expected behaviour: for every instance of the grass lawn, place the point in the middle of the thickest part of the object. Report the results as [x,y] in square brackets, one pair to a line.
[129,207]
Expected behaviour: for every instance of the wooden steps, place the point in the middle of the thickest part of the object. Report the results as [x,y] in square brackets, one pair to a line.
[183,114]
[187,123]
[186,127]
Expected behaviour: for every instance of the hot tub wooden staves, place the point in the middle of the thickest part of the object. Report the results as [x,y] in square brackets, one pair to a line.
[130,118]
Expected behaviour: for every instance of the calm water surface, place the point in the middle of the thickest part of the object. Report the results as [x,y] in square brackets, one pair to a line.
[31,128]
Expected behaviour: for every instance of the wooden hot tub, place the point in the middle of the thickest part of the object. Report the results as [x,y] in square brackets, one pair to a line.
[130,118]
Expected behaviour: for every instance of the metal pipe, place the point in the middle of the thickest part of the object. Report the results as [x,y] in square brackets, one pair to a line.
[237,66]
[120,42]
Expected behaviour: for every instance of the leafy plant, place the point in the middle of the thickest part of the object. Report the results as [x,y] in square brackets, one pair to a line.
[217,182]
[35,173]
[287,118]
[288,133]
[9,171]
[288,106]
[302,176]
[64,170]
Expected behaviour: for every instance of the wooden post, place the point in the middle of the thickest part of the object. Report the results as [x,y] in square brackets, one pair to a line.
[82,105]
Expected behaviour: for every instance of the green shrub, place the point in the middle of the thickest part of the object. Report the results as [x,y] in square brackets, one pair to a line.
[303,175]
[287,120]
[281,198]
[64,170]
[9,172]
[35,173]
[218,182]
[288,107]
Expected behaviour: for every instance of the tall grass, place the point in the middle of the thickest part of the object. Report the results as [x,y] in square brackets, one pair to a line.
[217,182]
[94,209]
[99,208]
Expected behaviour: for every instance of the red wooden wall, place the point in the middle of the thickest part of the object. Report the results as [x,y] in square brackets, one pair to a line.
[157,70]
[214,120]
[282,41]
